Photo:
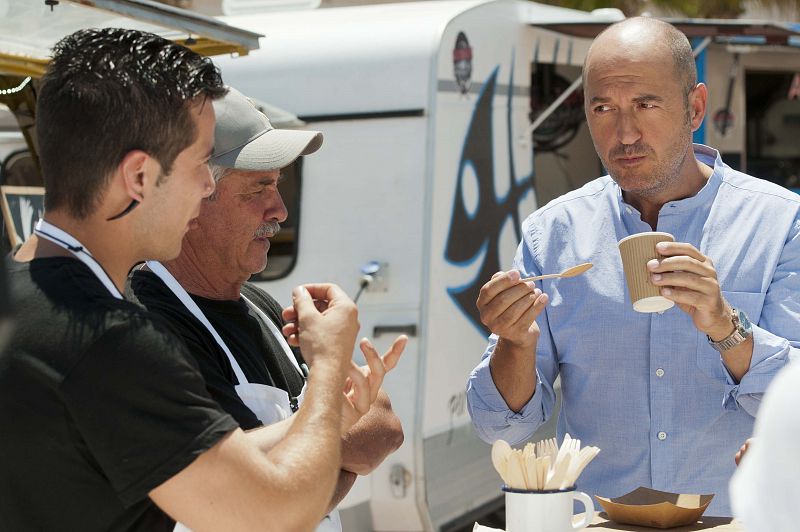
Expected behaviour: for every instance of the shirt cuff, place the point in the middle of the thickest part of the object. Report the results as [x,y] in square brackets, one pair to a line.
[770,355]
[492,417]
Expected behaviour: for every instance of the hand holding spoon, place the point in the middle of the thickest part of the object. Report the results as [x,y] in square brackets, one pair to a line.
[569,272]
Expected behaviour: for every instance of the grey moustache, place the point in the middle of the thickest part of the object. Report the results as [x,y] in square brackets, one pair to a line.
[268,229]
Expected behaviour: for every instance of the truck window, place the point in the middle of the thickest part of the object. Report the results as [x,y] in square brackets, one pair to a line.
[283,246]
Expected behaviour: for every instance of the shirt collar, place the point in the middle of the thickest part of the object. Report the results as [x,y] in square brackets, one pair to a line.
[706,155]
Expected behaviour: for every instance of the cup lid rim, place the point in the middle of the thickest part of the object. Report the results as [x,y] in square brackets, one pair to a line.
[647,233]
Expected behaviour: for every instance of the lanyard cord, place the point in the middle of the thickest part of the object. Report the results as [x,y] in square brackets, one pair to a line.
[70,243]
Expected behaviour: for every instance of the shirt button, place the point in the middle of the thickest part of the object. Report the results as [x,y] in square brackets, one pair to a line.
[659,372]
[662,435]
[628,210]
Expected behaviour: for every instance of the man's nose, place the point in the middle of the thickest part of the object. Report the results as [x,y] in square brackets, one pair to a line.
[276,209]
[628,131]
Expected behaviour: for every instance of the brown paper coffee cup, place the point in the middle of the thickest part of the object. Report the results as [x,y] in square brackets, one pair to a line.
[636,251]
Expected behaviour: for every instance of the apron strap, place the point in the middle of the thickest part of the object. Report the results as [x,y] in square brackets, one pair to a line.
[159,269]
[277,334]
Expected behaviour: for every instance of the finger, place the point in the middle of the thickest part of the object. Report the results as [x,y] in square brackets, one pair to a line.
[375,369]
[294,341]
[530,315]
[290,329]
[392,356]
[690,298]
[687,281]
[680,263]
[498,284]
[289,314]
[360,393]
[328,292]
[303,304]
[670,249]
[507,307]
[349,415]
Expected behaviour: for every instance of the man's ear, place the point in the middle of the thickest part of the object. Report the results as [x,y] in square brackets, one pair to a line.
[698,99]
[135,169]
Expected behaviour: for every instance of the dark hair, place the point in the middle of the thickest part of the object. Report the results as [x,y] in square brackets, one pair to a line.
[107,92]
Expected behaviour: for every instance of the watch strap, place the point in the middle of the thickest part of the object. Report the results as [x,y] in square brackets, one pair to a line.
[742,330]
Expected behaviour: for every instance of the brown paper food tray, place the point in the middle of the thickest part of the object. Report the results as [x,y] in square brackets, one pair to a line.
[656,509]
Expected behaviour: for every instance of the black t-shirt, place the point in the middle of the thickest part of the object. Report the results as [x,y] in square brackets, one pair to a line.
[99,404]
[249,339]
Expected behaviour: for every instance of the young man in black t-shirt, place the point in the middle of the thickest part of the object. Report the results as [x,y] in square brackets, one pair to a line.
[229,324]
[104,410]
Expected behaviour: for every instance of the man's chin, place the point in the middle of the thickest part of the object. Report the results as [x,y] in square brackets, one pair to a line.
[258,259]
[631,181]
[166,254]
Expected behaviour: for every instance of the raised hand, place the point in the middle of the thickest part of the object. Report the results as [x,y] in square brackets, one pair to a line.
[509,308]
[323,322]
[378,366]
[357,397]
[372,374]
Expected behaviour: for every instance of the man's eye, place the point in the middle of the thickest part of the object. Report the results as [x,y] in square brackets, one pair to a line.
[252,193]
[602,109]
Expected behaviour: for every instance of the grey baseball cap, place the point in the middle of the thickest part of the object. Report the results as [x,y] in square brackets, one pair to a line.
[244,139]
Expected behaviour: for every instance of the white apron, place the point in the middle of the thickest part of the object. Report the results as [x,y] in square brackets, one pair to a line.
[268,403]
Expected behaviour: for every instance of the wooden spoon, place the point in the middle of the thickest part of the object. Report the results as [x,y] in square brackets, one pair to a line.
[569,272]
[501,451]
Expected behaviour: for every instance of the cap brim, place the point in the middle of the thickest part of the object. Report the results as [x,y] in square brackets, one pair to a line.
[272,150]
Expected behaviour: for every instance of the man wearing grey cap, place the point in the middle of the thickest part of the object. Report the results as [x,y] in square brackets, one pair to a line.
[236,330]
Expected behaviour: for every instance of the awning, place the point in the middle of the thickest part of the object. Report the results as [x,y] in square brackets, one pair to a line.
[30,28]
[749,31]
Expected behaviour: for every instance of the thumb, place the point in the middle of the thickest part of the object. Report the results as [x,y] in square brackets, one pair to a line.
[302,301]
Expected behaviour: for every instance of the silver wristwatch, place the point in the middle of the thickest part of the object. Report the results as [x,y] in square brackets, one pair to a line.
[742,330]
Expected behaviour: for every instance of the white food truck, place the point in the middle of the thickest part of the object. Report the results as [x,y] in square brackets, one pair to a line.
[445,123]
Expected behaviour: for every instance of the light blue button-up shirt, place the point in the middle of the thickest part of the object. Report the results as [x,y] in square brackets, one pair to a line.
[648,389]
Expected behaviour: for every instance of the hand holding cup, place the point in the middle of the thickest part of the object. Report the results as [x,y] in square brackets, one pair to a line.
[688,278]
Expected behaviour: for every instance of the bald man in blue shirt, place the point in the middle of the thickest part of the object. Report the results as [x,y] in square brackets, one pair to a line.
[668,397]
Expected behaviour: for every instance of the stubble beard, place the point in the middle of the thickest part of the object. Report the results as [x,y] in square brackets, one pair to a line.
[665,174]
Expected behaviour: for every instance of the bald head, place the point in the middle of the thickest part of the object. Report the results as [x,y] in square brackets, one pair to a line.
[644,37]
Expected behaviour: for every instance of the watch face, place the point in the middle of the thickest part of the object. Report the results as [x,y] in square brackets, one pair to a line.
[744,322]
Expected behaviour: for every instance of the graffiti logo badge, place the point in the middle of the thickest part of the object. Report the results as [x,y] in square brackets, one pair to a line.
[475,235]
[462,62]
